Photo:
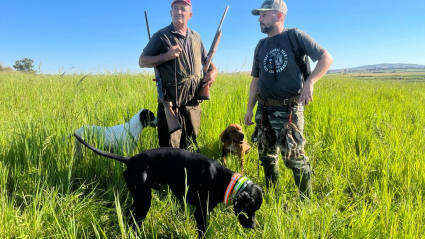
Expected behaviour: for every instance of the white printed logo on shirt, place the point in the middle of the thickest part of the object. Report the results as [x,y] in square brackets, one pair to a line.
[276,59]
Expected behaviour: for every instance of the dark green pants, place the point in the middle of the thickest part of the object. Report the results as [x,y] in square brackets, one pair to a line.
[269,155]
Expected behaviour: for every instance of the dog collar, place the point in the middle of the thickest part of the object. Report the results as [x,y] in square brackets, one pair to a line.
[237,184]
[246,183]
[230,187]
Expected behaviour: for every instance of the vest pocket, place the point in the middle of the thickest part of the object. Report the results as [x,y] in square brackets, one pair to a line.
[187,89]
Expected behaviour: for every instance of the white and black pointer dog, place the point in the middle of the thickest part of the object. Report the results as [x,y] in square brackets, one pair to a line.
[118,138]
[207,182]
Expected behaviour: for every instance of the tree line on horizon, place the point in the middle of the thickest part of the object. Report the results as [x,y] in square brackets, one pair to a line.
[24,65]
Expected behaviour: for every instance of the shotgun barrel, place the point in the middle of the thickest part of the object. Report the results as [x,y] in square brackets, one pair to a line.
[204,92]
[172,122]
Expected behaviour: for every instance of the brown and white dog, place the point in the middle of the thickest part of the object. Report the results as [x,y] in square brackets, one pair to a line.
[234,141]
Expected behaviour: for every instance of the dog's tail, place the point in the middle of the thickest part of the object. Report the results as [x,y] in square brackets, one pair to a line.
[117,157]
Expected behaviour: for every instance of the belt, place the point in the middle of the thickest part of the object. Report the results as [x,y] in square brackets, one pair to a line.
[272,102]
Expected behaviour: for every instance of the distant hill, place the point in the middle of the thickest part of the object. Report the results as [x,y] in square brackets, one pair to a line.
[386,67]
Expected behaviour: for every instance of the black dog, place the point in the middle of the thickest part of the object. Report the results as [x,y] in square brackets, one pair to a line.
[208,183]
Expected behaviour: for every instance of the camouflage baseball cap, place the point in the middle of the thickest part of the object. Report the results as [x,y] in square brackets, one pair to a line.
[268,5]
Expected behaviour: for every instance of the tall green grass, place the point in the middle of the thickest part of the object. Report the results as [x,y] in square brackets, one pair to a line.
[365,141]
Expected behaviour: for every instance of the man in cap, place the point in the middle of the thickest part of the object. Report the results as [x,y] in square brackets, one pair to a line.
[178,53]
[278,87]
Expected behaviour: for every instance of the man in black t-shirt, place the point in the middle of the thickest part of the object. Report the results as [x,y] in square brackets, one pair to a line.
[278,86]
[178,53]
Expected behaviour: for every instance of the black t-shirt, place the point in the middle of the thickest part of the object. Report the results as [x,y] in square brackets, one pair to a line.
[275,64]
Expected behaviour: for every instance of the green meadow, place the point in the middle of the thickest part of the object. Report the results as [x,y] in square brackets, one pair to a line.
[365,140]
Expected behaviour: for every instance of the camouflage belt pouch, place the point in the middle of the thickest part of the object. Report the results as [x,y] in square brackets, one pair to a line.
[273,130]
[291,141]
[263,134]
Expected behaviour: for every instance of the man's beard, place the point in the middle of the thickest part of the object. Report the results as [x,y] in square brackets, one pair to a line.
[267,29]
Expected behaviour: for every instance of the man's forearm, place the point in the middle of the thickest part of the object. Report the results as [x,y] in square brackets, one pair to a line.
[151,61]
[321,68]
[252,94]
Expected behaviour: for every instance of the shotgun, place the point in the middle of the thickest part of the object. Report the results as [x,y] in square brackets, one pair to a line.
[172,122]
[204,91]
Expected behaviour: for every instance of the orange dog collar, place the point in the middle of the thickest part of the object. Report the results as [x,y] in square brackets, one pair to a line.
[230,187]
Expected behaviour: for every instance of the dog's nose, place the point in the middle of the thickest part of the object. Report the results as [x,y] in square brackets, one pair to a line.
[242,136]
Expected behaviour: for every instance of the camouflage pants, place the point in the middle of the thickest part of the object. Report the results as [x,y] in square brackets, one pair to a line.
[276,118]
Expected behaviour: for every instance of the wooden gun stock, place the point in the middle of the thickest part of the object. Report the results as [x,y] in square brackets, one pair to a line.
[204,91]
[172,122]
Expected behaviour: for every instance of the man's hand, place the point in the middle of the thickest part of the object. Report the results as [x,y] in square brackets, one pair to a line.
[173,52]
[306,94]
[248,117]
[210,77]
[208,80]
[251,101]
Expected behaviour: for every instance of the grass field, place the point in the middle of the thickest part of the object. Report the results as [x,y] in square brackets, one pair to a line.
[365,141]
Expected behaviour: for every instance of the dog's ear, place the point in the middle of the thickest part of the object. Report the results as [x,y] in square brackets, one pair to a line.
[151,115]
[245,207]
[142,115]
[146,116]
[243,201]
[240,202]
[260,192]
[257,195]
[223,136]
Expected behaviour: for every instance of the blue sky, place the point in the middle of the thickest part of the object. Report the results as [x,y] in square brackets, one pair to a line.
[92,36]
